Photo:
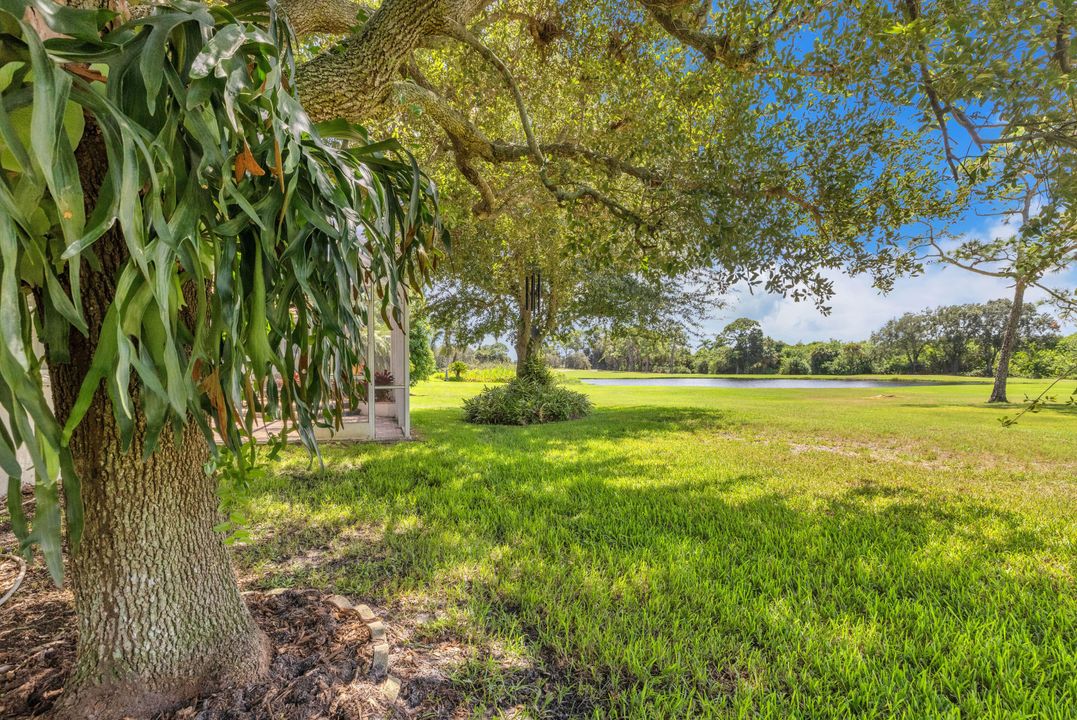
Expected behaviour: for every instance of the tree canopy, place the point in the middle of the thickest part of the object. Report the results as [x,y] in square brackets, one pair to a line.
[764,142]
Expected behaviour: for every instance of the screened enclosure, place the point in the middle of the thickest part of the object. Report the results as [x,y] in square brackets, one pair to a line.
[384,413]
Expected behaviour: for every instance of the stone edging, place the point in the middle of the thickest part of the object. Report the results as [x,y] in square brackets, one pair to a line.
[379,667]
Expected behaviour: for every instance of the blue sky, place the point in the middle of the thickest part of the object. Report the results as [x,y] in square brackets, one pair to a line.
[857,308]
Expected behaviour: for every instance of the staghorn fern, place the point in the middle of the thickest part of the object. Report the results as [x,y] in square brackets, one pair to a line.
[222,186]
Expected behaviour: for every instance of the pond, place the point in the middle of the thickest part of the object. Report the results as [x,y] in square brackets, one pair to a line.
[770,383]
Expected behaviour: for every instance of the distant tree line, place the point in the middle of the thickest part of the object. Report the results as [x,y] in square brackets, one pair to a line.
[952,339]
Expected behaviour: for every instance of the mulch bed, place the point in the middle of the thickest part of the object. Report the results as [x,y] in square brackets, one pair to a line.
[37,640]
[321,667]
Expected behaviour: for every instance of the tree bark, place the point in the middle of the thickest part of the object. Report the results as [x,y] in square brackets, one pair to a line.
[160,616]
[355,80]
[524,345]
[1009,341]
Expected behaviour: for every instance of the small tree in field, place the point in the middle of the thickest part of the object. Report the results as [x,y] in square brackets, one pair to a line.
[746,341]
[191,249]
[458,368]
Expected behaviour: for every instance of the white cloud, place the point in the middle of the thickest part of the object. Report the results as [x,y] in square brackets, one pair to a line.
[857,309]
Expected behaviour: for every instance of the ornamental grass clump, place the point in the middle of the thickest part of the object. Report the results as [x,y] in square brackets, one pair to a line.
[532,397]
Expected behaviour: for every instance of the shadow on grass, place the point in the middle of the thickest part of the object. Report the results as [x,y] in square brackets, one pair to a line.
[557,535]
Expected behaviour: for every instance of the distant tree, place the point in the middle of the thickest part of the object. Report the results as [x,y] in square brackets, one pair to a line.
[908,335]
[822,355]
[721,361]
[954,338]
[1057,360]
[989,324]
[528,282]
[793,362]
[576,361]
[641,349]
[497,352]
[952,331]
[746,342]
[458,368]
[854,358]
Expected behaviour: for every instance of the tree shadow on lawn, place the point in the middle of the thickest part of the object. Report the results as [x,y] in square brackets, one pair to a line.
[604,423]
[473,466]
[1010,408]
[632,589]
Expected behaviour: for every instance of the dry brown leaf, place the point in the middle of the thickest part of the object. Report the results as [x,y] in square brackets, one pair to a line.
[245,163]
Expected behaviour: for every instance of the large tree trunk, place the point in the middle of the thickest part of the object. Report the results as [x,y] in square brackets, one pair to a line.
[1009,341]
[523,354]
[160,616]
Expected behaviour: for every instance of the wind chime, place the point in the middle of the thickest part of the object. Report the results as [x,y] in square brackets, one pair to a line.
[533,305]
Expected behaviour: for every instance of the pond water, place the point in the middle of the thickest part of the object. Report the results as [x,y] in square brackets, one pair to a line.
[771,383]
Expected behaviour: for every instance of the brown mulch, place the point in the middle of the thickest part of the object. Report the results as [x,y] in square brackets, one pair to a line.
[321,665]
[37,640]
[320,668]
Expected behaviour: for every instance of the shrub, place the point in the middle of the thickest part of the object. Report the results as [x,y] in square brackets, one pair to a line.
[533,397]
[852,360]
[1036,362]
[525,402]
[794,365]
[493,374]
[381,377]
[422,361]
[536,369]
[458,368]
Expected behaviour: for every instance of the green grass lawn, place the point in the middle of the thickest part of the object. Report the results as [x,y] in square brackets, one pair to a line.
[689,552]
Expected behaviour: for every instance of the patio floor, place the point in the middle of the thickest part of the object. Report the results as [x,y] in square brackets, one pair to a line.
[356,429]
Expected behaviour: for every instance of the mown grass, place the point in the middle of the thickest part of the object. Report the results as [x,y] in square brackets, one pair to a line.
[689,552]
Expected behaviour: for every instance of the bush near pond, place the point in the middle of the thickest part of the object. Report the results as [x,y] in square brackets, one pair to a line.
[533,397]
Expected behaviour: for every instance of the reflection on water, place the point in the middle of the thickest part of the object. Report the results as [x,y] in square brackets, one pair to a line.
[771,383]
